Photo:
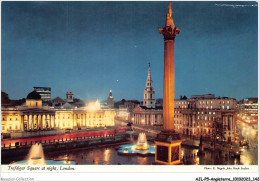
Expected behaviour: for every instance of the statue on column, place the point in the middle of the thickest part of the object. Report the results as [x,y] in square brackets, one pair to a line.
[170,9]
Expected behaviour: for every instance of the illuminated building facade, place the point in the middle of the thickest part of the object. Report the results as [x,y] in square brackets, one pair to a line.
[148,114]
[34,117]
[248,110]
[196,116]
[203,115]
[45,93]
[82,118]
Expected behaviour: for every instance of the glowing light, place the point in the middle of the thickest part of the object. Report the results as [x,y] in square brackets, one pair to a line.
[36,156]
[93,106]
[142,142]
[66,162]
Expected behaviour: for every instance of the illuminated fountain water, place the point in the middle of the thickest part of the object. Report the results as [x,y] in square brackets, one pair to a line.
[142,142]
[36,156]
[140,148]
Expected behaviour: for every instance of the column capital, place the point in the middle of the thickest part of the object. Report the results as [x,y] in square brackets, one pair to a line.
[169,33]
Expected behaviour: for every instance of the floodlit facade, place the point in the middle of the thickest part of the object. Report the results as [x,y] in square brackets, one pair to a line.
[248,110]
[82,119]
[34,117]
[148,114]
[203,116]
[198,116]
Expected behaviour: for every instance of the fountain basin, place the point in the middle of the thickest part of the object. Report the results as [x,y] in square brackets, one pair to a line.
[47,162]
[131,149]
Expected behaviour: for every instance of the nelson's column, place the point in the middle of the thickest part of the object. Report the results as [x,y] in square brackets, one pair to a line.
[168,143]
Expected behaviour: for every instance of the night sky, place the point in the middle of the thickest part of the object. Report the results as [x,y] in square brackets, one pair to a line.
[85,47]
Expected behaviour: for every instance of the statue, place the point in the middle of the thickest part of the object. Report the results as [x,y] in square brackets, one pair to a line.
[170,9]
[169,20]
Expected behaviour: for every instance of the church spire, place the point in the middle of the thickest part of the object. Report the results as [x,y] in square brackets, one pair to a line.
[149,78]
[149,95]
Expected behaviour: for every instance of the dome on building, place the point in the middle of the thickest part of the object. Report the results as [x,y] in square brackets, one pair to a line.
[34,95]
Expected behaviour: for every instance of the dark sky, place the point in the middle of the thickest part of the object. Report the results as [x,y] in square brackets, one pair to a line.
[85,47]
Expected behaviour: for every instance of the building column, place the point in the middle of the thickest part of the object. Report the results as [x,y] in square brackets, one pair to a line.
[54,125]
[81,120]
[50,121]
[22,118]
[41,122]
[32,122]
[46,122]
[37,120]
[28,122]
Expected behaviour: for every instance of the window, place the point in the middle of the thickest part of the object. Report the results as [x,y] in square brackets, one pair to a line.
[209,112]
[223,102]
[228,102]
[223,107]
[227,107]
[151,96]
[211,102]
[214,113]
[207,102]
[219,102]
[151,102]
[3,128]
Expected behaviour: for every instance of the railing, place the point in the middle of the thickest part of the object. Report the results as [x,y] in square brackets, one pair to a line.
[61,138]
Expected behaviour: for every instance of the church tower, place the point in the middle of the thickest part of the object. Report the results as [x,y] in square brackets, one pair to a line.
[149,95]
[110,100]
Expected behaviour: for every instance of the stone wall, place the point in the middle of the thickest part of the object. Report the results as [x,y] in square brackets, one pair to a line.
[25,134]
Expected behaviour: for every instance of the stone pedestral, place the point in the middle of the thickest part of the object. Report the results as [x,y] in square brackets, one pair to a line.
[168,148]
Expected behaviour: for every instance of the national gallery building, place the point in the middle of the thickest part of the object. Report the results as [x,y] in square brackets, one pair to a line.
[33,116]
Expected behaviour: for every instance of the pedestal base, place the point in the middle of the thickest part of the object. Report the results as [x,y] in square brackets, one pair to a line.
[168,148]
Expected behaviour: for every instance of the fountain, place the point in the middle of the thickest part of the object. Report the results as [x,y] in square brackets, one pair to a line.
[36,157]
[142,142]
[140,148]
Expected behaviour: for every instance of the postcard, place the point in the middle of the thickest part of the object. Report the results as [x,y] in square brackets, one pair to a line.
[129,91]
